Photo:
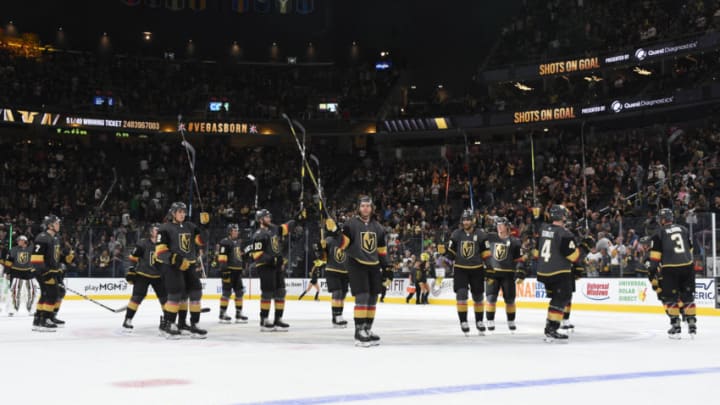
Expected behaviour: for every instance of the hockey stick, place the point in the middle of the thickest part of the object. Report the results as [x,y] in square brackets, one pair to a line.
[467,162]
[93,215]
[313,179]
[189,149]
[92,300]
[303,162]
[190,152]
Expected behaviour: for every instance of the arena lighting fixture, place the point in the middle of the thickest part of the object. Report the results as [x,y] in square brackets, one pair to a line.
[147,35]
[641,71]
[250,177]
[440,86]
[522,87]
[593,78]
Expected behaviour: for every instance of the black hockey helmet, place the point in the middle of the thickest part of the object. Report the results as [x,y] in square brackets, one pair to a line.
[666,215]
[232,227]
[467,214]
[49,220]
[558,213]
[261,213]
[152,226]
[177,206]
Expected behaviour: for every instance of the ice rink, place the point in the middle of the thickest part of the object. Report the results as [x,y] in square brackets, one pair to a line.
[611,358]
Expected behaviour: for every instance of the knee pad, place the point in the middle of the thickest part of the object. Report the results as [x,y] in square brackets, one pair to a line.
[490,298]
[195,295]
[137,299]
[226,292]
[266,295]
[362,299]
[509,302]
[280,293]
[372,299]
[338,295]
[477,298]
[461,294]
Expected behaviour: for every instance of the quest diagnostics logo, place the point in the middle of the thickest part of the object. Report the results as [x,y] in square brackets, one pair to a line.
[616,106]
[640,54]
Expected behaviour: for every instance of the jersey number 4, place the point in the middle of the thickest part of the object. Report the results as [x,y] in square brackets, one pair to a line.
[545,250]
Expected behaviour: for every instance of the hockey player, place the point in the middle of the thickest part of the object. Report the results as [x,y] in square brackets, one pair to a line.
[508,267]
[21,272]
[231,266]
[557,254]
[363,239]
[268,260]
[468,250]
[46,262]
[144,274]
[317,268]
[422,270]
[336,273]
[176,254]
[671,272]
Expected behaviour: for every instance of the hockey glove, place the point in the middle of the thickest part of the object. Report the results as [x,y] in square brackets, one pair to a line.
[204,218]
[330,225]
[185,264]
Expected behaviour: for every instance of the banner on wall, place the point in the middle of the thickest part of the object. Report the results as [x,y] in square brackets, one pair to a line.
[629,292]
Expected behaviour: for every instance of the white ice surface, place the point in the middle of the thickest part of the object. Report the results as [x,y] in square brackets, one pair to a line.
[624,359]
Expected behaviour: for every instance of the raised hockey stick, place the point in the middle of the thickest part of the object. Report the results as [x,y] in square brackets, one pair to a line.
[303,162]
[92,300]
[311,174]
[190,152]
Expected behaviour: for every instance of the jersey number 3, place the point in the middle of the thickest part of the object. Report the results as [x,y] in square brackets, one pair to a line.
[679,245]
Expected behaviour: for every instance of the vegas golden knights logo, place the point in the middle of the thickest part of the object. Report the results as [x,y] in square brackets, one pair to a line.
[23,257]
[339,255]
[500,252]
[369,241]
[468,249]
[238,252]
[185,242]
[275,244]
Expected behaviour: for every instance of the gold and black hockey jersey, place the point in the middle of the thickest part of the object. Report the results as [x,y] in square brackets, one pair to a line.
[364,242]
[19,258]
[143,255]
[556,251]
[46,253]
[672,247]
[267,243]
[178,241]
[336,257]
[230,255]
[468,249]
[505,253]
